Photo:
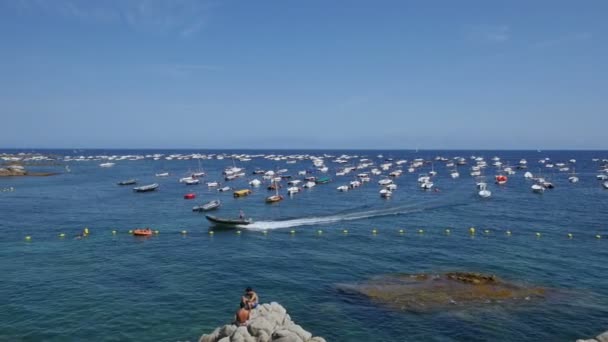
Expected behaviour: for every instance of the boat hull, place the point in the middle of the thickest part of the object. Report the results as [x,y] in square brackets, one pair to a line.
[228,222]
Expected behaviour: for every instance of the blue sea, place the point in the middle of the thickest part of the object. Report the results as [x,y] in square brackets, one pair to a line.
[175,287]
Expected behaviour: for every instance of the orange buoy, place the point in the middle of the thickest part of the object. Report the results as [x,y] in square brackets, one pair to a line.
[189,196]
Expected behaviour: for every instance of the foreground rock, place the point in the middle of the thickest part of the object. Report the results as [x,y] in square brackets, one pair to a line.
[425,292]
[268,322]
[600,338]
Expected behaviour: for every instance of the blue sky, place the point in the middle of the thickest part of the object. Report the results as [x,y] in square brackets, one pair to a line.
[304,74]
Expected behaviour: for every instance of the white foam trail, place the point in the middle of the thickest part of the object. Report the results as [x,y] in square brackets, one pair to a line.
[308,221]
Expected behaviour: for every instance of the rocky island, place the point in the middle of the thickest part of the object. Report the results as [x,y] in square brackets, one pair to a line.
[268,322]
[19,170]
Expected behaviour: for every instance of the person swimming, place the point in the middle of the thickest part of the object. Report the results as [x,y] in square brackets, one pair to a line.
[250,299]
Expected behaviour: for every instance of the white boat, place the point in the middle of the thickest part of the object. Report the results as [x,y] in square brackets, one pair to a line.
[385,181]
[528,175]
[454,174]
[573,177]
[426,185]
[255,182]
[292,190]
[213,184]
[355,184]
[294,182]
[224,189]
[391,187]
[192,181]
[483,190]
[107,164]
[342,188]
[385,193]
[537,188]
[602,177]
[605,185]
[309,184]
[162,174]
[185,179]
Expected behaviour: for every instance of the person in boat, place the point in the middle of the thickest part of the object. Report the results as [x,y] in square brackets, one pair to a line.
[242,315]
[250,299]
[241,215]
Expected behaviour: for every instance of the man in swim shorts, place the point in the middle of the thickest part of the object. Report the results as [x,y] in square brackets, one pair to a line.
[242,315]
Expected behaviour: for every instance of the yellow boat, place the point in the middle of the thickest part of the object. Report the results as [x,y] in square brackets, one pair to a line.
[242,193]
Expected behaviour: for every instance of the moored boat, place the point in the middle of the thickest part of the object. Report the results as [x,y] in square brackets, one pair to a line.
[190,196]
[146,188]
[128,182]
[142,232]
[211,205]
[242,193]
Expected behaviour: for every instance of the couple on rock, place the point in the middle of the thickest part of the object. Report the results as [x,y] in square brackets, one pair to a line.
[248,301]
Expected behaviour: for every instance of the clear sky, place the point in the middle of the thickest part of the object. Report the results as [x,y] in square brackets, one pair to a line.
[304,74]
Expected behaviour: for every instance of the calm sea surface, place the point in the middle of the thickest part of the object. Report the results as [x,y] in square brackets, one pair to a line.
[175,287]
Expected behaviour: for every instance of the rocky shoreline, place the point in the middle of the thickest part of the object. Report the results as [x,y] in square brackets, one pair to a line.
[18,171]
[603,337]
[268,322]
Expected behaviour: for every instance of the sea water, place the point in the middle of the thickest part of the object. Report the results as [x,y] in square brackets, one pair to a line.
[174,286]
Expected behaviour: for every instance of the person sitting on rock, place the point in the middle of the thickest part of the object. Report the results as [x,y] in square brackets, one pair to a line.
[250,299]
[242,315]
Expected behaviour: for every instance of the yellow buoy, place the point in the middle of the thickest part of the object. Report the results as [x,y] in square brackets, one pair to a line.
[508,232]
[184,232]
[401,231]
[319,231]
[264,232]
[28,238]
[211,232]
[570,236]
[472,230]
[598,236]
[130,231]
[374,231]
[537,234]
[293,231]
[62,235]
[238,232]
[156,232]
[345,231]
[114,232]
[86,231]
[447,231]
[486,231]
[420,231]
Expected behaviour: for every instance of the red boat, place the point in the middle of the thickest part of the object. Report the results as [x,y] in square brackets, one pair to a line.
[142,232]
[189,196]
[501,179]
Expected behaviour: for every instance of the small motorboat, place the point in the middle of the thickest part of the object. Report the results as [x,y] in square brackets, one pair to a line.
[146,188]
[211,205]
[190,196]
[229,222]
[605,185]
[292,190]
[162,174]
[323,180]
[342,188]
[274,198]
[242,193]
[128,182]
[192,181]
[213,184]
[538,188]
[224,189]
[501,179]
[142,232]
[385,193]
[483,190]
[255,182]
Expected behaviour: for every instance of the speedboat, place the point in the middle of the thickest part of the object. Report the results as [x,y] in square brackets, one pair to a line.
[211,205]
[162,174]
[192,181]
[342,188]
[386,193]
[537,188]
[224,189]
[229,221]
[107,164]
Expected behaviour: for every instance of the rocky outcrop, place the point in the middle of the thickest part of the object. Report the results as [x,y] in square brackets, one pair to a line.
[268,322]
[426,292]
[19,170]
[599,338]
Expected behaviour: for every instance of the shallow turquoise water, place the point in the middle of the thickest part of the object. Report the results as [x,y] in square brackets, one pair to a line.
[173,287]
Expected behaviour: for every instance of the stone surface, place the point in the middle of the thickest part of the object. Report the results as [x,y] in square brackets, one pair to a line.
[267,323]
[602,337]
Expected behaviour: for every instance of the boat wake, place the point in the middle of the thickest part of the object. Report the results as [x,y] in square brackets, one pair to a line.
[317,220]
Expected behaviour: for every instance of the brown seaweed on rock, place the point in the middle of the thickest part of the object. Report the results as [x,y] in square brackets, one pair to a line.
[427,292]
